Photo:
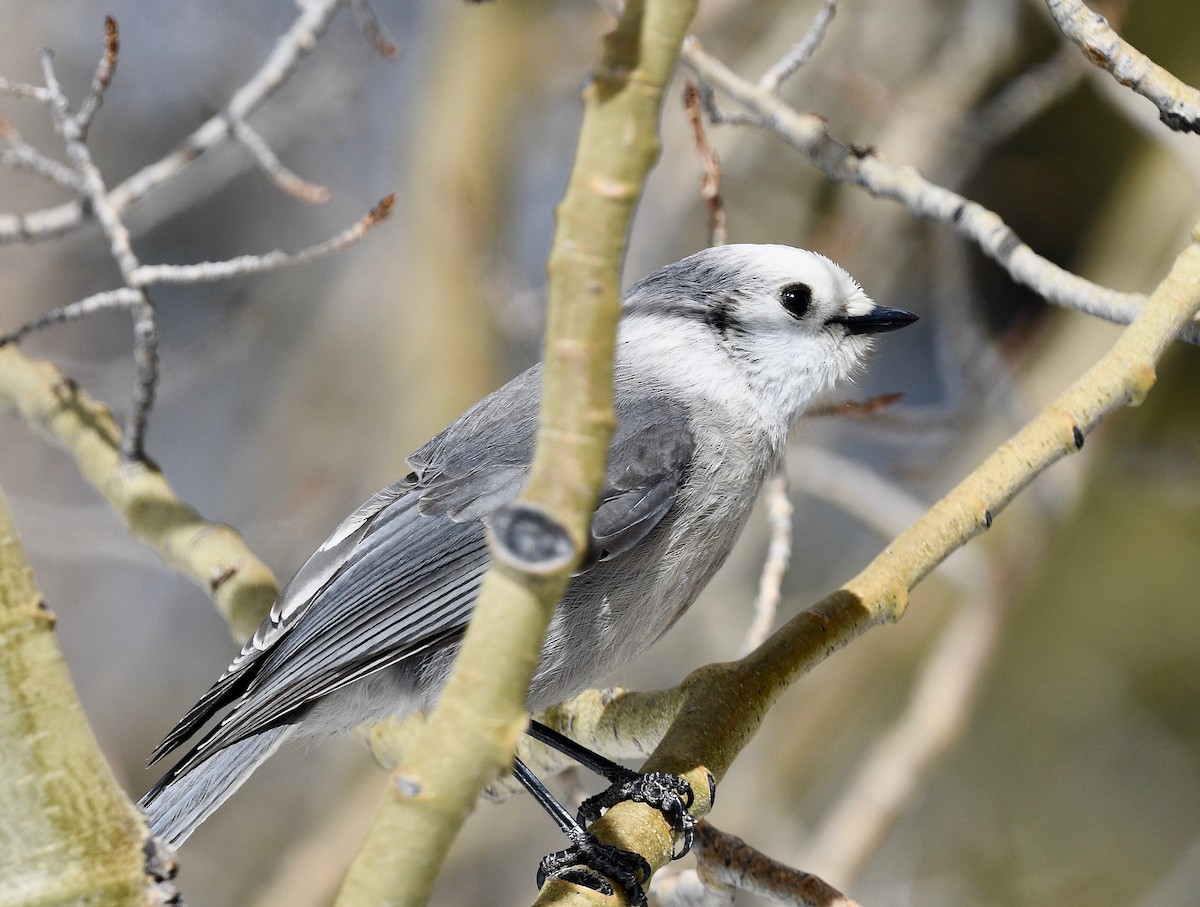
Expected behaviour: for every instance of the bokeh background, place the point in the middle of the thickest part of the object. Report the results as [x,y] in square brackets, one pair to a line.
[288,398]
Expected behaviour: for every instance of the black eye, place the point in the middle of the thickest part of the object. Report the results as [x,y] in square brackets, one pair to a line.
[796,298]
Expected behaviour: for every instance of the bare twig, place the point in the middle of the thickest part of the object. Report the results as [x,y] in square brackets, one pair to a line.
[373,30]
[719,115]
[810,134]
[891,774]
[1025,97]
[148,275]
[104,73]
[802,51]
[710,180]
[858,408]
[23,155]
[120,298]
[779,552]
[726,860]
[86,179]
[1178,103]
[270,164]
[145,330]
[289,50]
[23,90]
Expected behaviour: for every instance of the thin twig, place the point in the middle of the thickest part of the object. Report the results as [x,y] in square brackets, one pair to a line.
[373,30]
[710,180]
[21,154]
[718,115]
[802,51]
[145,328]
[725,859]
[149,275]
[890,775]
[270,164]
[735,697]
[779,553]
[23,90]
[810,134]
[296,43]
[120,298]
[145,331]
[858,408]
[104,73]
[1178,103]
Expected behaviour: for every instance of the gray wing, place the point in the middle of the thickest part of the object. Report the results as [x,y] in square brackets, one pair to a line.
[402,573]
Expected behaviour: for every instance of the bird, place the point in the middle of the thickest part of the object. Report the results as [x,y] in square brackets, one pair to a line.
[716,357]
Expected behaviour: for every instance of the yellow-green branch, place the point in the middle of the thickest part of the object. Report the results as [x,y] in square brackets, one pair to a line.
[212,555]
[718,708]
[67,833]
[472,733]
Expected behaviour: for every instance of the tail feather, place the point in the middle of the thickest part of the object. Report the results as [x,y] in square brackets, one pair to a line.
[180,802]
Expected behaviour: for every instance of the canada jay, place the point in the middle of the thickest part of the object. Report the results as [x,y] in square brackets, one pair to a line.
[717,356]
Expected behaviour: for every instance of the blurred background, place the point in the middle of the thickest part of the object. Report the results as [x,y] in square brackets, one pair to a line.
[1060,653]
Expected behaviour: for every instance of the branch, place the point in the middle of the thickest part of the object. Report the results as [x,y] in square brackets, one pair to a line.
[67,832]
[1178,103]
[145,331]
[20,154]
[710,179]
[719,707]
[727,860]
[725,863]
[268,161]
[148,275]
[86,179]
[211,555]
[480,714]
[289,50]
[779,553]
[100,81]
[801,51]
[809,133]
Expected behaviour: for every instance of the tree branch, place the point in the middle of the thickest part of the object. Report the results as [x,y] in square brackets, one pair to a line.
[809,133]
[719,707]
[1178,103]
[67,834]
[289,50]
[211,555]
[480,714]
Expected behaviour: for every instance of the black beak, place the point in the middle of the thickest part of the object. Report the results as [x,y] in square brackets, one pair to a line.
[876,321]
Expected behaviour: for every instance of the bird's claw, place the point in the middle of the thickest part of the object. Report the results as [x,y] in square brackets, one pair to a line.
[669,794]
[591,864]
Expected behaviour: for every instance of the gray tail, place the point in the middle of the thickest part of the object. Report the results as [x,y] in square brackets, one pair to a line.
[177,805]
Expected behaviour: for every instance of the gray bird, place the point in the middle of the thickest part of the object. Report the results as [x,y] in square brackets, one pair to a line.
[717,356]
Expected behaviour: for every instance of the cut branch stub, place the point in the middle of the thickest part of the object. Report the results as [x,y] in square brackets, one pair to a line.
[525,537]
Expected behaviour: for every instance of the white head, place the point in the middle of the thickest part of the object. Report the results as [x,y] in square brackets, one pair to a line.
[761,325]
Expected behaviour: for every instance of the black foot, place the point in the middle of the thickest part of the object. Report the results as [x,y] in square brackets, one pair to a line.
[590,863]
[669,794]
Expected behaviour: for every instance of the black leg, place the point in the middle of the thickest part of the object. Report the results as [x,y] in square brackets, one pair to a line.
[669,794]
[603,767]
[586,856]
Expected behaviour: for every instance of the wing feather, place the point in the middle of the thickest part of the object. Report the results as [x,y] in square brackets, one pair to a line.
[401,574]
